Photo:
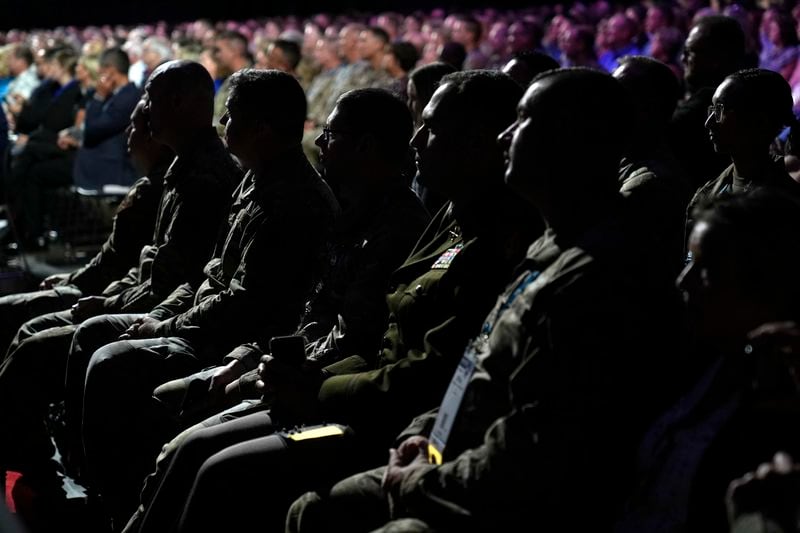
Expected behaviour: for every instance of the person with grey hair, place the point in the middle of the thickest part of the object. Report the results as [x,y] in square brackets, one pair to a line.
[155,51]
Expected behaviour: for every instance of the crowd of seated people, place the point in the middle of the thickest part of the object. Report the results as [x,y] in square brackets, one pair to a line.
[533,270]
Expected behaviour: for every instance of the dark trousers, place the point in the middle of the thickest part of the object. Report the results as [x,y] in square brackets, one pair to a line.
[123,425]
[89,337]
[16,309]
[243,466]
[357,504]
[31,377]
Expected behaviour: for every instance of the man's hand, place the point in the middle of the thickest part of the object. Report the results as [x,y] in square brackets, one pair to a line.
[778,345]
[772,491]
[66,141]
[409,457]
[16,103]
[144,328]
[295,389]
[225,375]
[87,308]
[51,281]
[104,86]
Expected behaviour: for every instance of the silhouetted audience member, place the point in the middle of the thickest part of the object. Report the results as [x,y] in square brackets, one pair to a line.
[747,112]
[453,54]
[527,65]
[255,287]
[713,50]
[524,431]
[741,282]
[650,175]
[422,83]
[196,196]
[132,229]
[464,256]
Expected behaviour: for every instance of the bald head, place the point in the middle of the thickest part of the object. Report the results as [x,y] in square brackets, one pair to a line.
[180,97]
[653,86]
[572,130]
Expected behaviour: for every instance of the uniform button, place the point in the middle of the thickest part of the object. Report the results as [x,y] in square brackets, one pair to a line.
[418,289]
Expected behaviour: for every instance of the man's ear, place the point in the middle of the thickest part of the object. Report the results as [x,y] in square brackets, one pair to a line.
[367,143]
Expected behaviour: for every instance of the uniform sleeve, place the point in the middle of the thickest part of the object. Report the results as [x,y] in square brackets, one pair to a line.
[572,423]
[188,244]
[181,299]
[361,315]
[132,229]
[267,294]
[417,380]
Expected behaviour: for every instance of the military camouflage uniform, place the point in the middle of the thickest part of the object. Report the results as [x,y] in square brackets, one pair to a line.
[552,413]
[255,288]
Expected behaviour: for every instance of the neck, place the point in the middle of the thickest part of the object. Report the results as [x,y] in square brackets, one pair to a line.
[267,157]
[238,64]
[64,79]
[576,215]
[376,61]
[751,166]
[477,209]
[188,138]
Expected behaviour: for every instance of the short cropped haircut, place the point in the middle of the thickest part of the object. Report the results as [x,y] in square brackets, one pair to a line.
[485,100]
[291,51]
[116,59]
[382,115]
[270,96]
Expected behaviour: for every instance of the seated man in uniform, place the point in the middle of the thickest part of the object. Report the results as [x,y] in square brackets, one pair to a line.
[196,196]
[552,394]
[255,287]
[132,229]
[438,297]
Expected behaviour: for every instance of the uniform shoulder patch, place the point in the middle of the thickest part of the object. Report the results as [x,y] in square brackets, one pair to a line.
[444,260]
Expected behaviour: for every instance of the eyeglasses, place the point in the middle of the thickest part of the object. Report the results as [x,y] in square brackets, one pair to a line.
[328,133]
[717,110]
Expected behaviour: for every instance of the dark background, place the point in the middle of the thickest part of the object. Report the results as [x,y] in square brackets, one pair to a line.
[28,14]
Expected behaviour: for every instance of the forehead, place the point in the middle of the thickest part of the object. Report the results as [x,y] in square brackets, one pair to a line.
[440,103]
[696,38]
[138,111]
[724,92]
[533,96]
[337,117]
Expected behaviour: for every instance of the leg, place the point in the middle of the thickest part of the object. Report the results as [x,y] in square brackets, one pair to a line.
[405,525]
[16,309]
[39,324]
[123,427]
[165,491]
[356,504]
[31,377]
[90,336]
[155,498]
[269,473]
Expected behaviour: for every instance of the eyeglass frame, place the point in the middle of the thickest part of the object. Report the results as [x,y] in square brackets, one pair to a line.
[328,132]
[718,110]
